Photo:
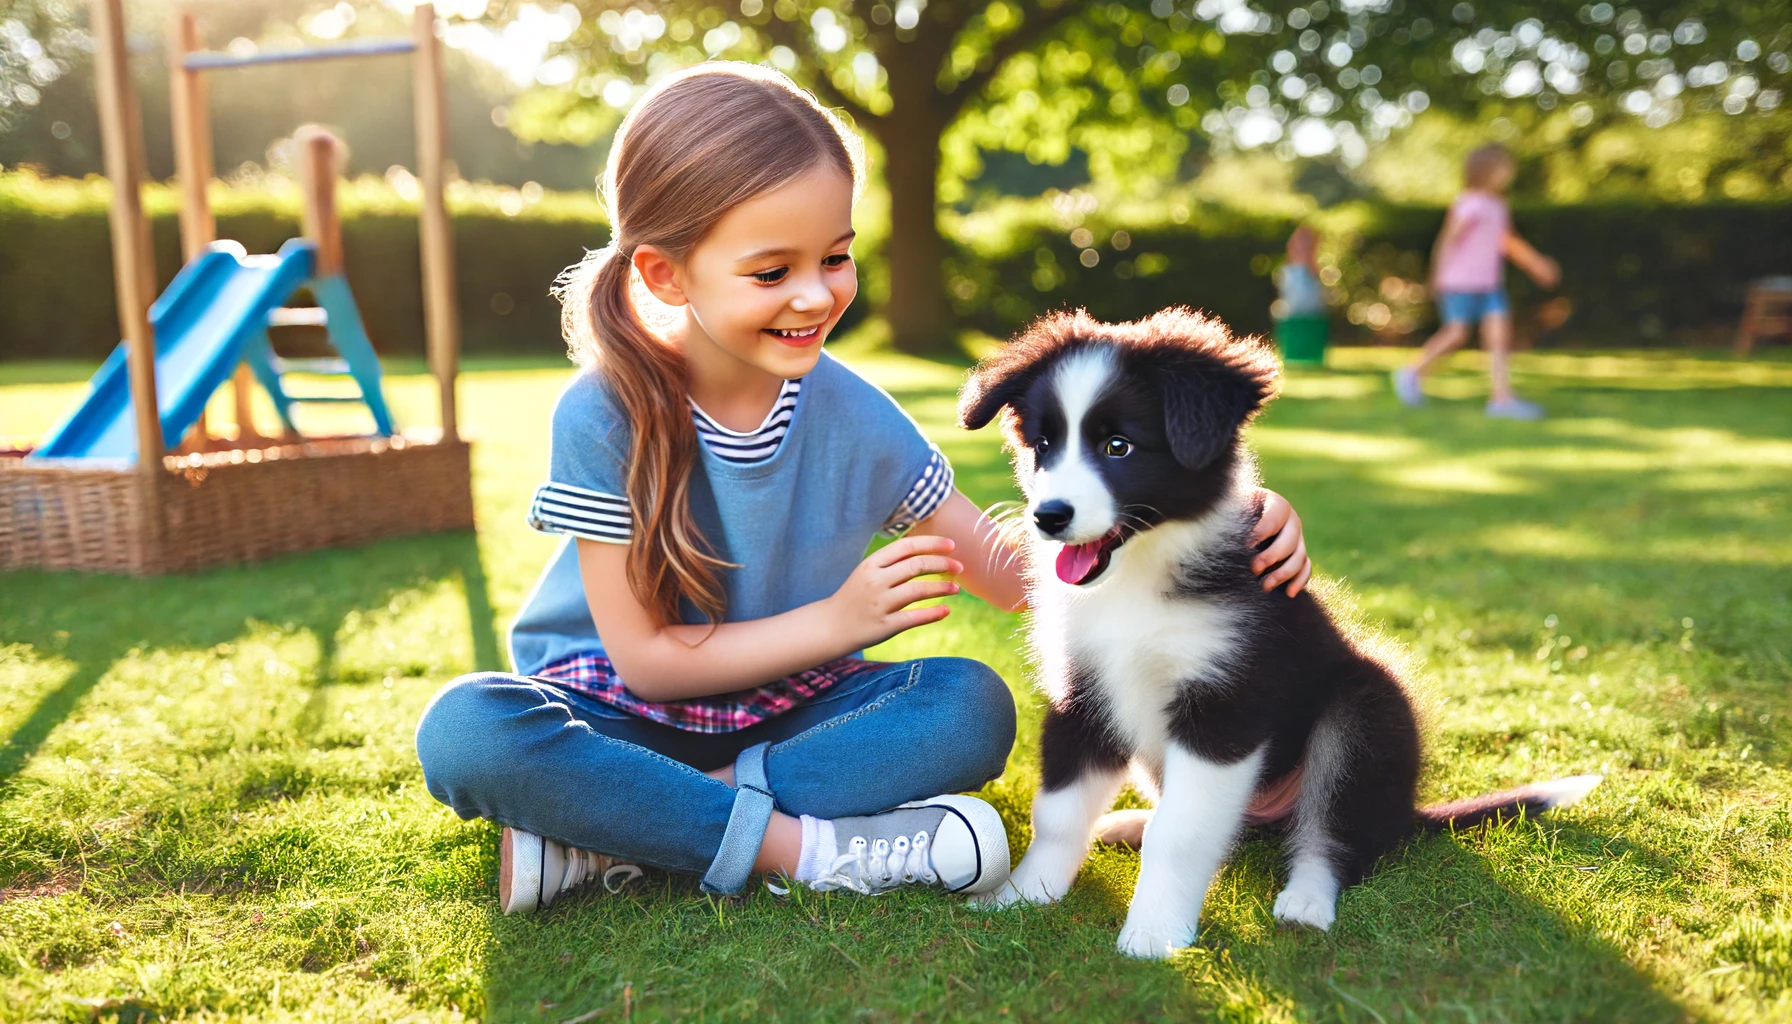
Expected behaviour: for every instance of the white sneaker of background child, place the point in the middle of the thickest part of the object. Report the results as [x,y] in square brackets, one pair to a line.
[1514,408]
[1406,387]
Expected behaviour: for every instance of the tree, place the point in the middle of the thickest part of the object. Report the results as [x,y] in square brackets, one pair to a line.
[1130,84]
[1323,79]
[902,72]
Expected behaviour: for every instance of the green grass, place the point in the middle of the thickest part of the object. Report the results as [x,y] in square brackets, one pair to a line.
[210,808]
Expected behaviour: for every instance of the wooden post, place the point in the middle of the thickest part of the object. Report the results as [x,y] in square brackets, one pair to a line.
[191,120]
[441,317]
[319,162]
[133,266]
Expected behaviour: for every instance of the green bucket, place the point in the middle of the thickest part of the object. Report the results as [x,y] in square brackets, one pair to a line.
[1302,339]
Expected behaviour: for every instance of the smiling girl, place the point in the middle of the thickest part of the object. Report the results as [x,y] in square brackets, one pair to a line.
[689,691]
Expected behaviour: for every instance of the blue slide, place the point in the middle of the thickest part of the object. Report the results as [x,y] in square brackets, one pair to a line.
[212,317]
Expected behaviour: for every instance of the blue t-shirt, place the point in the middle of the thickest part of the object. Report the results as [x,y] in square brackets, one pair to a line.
[851,463]
[1300,290]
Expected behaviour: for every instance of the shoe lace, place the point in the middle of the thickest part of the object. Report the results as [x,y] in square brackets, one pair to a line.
[586,865]
[874,868]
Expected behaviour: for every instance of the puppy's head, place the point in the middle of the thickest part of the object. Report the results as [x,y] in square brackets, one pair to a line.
[1116,428]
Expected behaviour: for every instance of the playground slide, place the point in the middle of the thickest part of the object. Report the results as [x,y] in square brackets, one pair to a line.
[216,309]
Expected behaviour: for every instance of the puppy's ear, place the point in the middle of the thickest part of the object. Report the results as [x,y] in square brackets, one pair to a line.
[994,383]
[1005,376]
[1207,401]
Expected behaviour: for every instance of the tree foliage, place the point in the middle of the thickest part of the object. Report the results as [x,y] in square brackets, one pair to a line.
[367,101]
[967,96]
[1134,88]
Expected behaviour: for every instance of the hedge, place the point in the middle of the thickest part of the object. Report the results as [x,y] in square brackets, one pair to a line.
[1635,273]
[56,298]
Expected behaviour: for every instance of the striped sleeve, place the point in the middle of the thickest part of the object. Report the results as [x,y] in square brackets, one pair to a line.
[593,515]
[929,492]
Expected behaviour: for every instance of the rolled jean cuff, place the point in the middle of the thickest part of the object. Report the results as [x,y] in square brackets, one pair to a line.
[746,824]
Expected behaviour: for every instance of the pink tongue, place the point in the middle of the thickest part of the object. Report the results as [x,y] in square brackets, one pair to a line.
[1076,561]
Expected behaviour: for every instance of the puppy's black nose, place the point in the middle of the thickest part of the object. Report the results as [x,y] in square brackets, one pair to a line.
[1053,517]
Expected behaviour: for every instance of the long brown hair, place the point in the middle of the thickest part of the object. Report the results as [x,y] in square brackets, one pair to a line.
[1485,162]
[700,143]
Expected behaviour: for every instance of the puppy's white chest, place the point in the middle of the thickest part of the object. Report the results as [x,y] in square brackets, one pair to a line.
[1137,646]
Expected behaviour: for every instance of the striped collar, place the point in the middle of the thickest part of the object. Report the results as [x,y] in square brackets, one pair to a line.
[751,445]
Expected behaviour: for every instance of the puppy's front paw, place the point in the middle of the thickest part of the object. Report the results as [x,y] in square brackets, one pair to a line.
[1006,896]
[1025,886]
[1155,940]
[1297,909]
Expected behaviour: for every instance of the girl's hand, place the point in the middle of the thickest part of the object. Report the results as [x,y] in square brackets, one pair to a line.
[873,604]
[1547,273]
[1287,554]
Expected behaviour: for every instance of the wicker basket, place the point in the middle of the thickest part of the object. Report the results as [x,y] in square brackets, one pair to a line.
[223,507]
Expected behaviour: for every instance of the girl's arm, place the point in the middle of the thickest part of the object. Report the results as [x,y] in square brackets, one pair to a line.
[680,662]
[994,561]
[1543,270]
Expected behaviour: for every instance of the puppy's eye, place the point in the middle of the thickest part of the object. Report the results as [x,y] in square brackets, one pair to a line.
[1117,447]
[1040,443]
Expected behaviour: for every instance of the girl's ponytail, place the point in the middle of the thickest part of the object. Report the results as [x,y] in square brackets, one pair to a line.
[700,143]
[668,557]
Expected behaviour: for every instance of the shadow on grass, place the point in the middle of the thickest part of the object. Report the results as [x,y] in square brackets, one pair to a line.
[1433,935]
[95,621]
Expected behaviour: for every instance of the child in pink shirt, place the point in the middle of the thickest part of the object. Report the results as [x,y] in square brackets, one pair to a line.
[1466,278]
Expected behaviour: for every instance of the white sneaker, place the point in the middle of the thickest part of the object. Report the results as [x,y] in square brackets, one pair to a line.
[1514,409]
[955,843]
[1406,387]
[533,871]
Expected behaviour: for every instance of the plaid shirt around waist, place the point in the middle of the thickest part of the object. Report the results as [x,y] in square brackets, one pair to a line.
[593,676]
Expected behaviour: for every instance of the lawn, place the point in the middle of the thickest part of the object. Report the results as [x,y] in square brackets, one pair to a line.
[210,808]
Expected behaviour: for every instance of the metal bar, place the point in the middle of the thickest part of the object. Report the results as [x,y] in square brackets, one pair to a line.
[213,60]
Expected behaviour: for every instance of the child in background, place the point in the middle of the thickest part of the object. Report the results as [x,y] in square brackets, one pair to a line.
[689,691]
[1466,278]
[1297,282]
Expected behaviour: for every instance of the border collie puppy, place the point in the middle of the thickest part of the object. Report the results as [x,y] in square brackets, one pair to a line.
[1161,652]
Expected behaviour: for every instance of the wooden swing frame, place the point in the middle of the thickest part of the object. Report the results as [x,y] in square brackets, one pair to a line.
[257,499]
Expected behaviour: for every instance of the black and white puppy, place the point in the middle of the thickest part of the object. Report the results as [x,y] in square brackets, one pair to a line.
[1159,649]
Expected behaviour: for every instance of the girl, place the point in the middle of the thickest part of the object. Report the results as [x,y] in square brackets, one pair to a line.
[1297,280]
[1465,276]
[717,483]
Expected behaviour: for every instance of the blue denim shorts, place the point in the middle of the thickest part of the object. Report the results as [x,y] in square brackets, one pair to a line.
[1470,307]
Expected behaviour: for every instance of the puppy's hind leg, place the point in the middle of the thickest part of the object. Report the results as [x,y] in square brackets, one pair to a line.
[1083,773]
[1355,801]
[1310,899]
[1198,816]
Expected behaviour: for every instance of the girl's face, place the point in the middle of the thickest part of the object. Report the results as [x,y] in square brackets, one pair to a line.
[771,278]
[1500,177]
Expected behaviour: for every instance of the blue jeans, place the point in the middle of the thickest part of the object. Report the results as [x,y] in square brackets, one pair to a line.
[536,756]
[1471,307]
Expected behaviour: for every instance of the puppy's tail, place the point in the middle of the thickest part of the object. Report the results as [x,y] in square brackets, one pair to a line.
[1536,798]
